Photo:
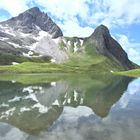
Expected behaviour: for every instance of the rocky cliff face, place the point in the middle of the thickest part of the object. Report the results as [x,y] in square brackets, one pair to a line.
[32,21]
[24,35]
[108,46]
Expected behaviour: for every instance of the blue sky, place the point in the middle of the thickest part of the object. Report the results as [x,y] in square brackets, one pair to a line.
[81,17]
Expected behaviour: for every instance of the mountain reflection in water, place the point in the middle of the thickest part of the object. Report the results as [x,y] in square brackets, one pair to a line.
[59,103]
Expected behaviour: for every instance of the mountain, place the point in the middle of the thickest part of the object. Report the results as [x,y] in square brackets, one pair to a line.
[24,32]
[32,21]
[33,36]
[109,47]
[101,47]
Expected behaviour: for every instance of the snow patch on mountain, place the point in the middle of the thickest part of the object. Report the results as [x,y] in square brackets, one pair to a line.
[3,38]
[14,44]
[81,42]
[50,47]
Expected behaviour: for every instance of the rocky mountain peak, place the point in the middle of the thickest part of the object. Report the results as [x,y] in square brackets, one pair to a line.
[33,10]
[101,30]
[108,46]
[32,21]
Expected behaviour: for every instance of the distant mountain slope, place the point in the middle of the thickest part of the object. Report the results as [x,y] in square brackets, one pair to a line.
[33,34]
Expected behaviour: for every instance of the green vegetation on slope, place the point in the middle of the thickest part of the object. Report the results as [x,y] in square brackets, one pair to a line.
[28,67]
[74,65]
[87,60]
[7,59]
[90,60]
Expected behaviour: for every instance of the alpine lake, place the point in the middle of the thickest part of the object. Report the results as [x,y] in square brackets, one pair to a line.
[69,107]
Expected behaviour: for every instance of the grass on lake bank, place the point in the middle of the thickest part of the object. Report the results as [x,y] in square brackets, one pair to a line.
[29,67]
[79,64]
[130,73]
[76,64]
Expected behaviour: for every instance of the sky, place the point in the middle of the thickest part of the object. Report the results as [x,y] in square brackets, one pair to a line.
[81,17]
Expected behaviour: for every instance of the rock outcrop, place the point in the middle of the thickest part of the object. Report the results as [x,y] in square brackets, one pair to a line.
[32,21]
[108,46]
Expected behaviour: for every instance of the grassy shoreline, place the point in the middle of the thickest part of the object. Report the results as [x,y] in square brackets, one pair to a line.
[29,67]
[77,65]
[130,73]
[44,68]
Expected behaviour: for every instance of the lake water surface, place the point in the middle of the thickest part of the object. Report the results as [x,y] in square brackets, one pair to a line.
[69,107]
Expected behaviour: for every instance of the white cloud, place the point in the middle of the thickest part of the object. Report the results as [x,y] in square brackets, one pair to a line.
[134,55]
[14,7]
[94,12]
[65,9]
[123,40]
[132,48]
[125,11]
[114,12]
[71,29]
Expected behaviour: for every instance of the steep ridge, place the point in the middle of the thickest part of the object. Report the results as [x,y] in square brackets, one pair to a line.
[108,46]
[32,21]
